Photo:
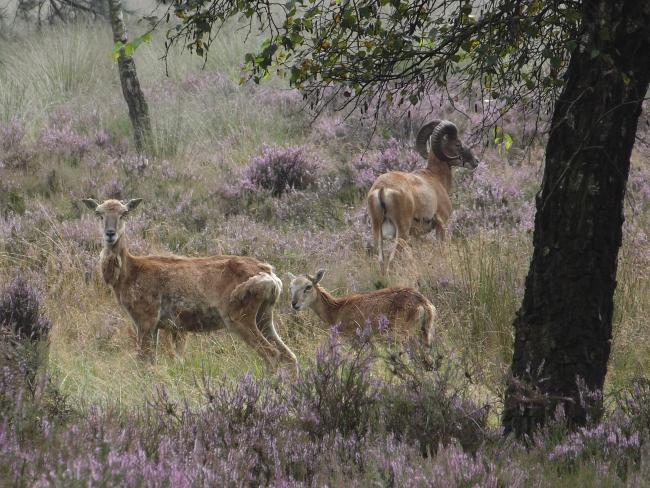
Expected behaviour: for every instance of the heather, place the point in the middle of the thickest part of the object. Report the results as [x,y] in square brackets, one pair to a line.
[245,169]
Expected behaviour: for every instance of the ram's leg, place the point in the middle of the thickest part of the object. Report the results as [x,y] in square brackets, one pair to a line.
[379,239]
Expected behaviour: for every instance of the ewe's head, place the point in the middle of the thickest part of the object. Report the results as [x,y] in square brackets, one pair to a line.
[303,289]
[111,215]
[445,144]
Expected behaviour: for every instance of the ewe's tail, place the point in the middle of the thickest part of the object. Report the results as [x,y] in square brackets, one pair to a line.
[262,285]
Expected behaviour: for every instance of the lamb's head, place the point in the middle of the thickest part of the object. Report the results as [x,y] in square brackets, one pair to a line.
[445,144]
[111,215]
[303,289]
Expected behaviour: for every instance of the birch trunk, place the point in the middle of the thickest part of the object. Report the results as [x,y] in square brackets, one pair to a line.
[138,109]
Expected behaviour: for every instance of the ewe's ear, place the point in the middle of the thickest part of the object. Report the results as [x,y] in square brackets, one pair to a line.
[133,204]
[319,276]
[290,277]
[90,203]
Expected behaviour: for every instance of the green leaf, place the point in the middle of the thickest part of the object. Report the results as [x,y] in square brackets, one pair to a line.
[507,140]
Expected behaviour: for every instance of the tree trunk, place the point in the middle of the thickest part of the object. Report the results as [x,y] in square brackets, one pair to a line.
[563,328]
[138,109]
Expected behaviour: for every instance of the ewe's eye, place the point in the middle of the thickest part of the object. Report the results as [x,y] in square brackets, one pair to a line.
[98,214]
[307,288]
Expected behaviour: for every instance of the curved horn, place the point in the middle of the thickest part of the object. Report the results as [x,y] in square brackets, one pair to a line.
[444,128]
[422,138]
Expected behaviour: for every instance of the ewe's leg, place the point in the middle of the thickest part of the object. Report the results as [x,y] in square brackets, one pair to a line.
[267,328]
[179,338]
[248,331]
[441,228]
[146,330]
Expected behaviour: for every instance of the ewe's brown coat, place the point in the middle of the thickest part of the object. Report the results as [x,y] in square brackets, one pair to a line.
[183,294]
[407,310]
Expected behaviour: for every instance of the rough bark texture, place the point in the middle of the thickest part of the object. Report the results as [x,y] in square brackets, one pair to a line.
[563,329]
[138,109]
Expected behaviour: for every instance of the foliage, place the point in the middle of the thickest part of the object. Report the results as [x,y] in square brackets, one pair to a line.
[365,54]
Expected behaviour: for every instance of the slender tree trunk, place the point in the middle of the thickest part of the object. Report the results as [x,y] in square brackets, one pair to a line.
[138,109]
[563,329]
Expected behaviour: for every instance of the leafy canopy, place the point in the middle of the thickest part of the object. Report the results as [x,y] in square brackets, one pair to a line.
[363,51]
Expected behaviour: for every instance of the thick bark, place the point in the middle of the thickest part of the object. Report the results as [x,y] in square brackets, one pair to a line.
[563,329]
[138,109]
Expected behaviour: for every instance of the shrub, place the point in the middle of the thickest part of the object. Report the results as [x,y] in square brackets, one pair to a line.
[13,152]
[281,169]
[392,157]
[21,316]
[336,394]
[23,330]
[429,404]
[494,200]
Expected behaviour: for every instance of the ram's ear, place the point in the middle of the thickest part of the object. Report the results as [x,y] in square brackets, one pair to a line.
[133,204]
[319,276]
[90,203]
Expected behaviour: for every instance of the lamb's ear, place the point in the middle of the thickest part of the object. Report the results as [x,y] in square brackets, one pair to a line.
[133,204]
[90,203]
[319,276]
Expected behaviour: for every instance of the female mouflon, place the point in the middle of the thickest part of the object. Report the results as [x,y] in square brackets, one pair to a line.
[182,294]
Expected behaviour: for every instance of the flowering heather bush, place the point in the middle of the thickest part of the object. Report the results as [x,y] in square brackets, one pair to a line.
[280,169]
[497,199]
[429,404]
[611,440]
[332,426]
[60,138]
[11,135]
[21,316]
[322,208]
[23,331]
[392,157]
[277,172]
[337,394]
[13,152]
